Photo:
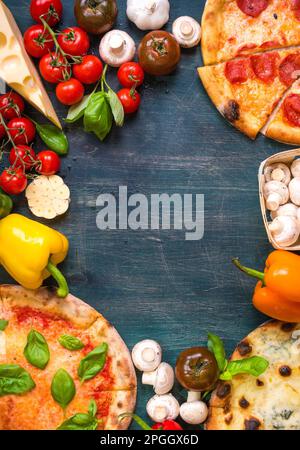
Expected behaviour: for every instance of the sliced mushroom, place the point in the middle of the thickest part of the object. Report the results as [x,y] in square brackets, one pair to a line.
[285,230]
[194,411]
[289,209]
[295,168]
[294,188]
[146,355]
[276,193]
[278,172]
[117,47]
[162,379]
[187,31]
[163,407]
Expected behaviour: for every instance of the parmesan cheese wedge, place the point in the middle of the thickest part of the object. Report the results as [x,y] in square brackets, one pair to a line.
[48,197]
[17,69]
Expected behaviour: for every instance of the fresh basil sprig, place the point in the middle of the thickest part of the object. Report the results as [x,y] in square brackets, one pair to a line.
[3,324]
[63,388]
[216,346]
[37,351]
[14,380]
[93,363]
[70,342]
[82,421]
[76,111]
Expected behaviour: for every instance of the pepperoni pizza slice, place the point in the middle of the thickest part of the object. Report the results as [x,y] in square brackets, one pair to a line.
[62,365]
[231,28]
[247,90]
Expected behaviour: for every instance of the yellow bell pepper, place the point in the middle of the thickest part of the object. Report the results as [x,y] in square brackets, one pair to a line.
[30,251]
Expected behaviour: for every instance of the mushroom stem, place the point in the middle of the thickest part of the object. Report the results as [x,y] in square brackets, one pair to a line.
[149,378]
[186,29]
[273,201]
[193,396]
[116,43]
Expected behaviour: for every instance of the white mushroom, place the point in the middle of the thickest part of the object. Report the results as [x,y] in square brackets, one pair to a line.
[289,209]
[117,47]
[194,411]
[187,31]
[294,188]
[148,14]
[146,355]
[285,230]
[278,172]
[276,193]
[163,407]
[162,379]
[295,168]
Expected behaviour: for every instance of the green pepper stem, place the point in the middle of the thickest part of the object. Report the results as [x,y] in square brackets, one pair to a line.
[251,272]
[137,419]
[63,289]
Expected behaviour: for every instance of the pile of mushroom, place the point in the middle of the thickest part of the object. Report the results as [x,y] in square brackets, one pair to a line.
[282,197]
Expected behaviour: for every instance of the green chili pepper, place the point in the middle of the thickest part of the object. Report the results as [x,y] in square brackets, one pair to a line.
[6,205]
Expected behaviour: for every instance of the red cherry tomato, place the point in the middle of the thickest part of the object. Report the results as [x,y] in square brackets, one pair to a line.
[11,105]
[49,10]
[167,425]
[13,181]
[2,132]
[74,41]
[22,156]
[70,92]
[89,71]
[131,74]
[22,130]
[48,163]
[130,100]
[38,42]
[54,68]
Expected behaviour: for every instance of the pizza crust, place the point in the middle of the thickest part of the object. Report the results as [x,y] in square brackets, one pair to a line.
[124,401]
[211,25]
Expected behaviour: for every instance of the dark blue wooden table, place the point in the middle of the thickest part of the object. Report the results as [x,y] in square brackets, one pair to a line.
[154,284]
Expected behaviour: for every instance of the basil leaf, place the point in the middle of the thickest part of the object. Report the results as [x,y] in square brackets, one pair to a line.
[70,342]
[116,107]
[14,380]
[80,422]
[256,365]
[216,346]
[37,351]
[63,388]
[3,324]
[54,138]
[93,408]
[98,117]
[93,363]
[76,111]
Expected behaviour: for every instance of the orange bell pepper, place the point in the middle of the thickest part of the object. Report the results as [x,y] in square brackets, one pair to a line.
[277,294]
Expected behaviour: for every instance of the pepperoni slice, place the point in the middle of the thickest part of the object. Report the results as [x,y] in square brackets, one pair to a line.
[265,66]
[289,69]
[245,49]
[270,44]
[252,8]
[237,71]
[295,6]
[291,109]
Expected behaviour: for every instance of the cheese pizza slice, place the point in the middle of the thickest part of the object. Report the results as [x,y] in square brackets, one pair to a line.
[232,28]
[247,90]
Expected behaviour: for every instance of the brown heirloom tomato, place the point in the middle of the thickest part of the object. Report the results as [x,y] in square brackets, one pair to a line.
[159,53]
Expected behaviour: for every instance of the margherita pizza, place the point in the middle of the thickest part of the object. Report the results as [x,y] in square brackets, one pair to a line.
[62,365]
[270,402]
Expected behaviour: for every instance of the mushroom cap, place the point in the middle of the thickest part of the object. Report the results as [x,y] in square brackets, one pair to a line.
[289,209]
[148,14]
[194,413]
[295,168]
[117,47]
[146,355]
[278,172]
[163,407]
[294,188]
[162,379]
[276,193]
[187,31]
[285,230]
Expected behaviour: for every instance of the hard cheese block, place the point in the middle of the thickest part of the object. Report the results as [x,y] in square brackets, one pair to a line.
[17,69]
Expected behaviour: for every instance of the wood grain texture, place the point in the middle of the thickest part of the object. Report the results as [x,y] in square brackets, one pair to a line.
[155,284]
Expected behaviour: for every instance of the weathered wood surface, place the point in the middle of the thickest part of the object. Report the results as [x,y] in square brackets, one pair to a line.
[155,284]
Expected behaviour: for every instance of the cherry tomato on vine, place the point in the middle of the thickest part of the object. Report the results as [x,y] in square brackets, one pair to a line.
[50,10]
[74,41]
[89,71]
[38,42]
[2,132]
[11,105]
[22,156]
[54,68]
[48,163]
[70,92]
[131,74]
[21,130]
[130,100]
[13,181]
